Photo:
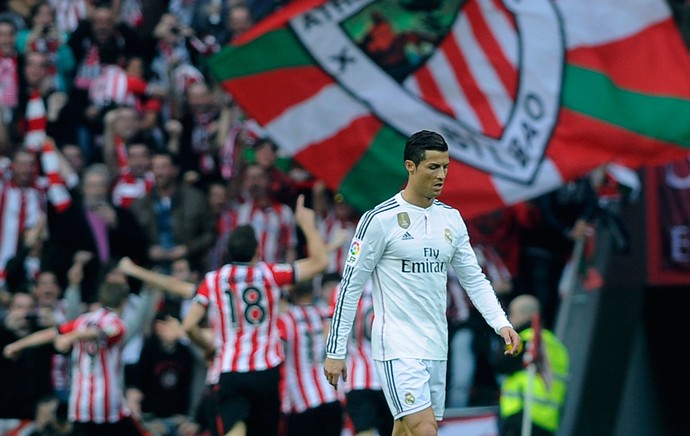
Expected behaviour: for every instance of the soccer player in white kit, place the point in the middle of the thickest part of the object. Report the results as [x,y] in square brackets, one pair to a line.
[405,245]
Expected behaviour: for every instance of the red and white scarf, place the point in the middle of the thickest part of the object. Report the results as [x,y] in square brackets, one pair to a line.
[35,140]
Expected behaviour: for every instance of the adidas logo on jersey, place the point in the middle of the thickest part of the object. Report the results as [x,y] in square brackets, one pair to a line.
[407,236]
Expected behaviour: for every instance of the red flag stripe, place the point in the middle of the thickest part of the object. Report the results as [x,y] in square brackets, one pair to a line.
[572,151]
[481,105]
[506,72]
[660,44]
[430,91]
[303,83]
[326,159]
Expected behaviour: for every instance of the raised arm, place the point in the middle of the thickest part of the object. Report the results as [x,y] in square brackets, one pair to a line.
[41,337]
[317,253]
[165,283]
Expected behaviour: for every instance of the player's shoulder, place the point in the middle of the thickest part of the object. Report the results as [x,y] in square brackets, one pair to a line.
[382,210]
[446,209]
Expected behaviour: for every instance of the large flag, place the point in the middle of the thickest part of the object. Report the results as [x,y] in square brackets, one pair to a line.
[528,94]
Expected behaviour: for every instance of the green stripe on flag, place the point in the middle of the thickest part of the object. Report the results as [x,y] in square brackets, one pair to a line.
[274,50]
[592,93]
[380,172]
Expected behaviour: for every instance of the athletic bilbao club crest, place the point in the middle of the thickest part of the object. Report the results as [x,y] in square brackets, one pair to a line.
[451,66]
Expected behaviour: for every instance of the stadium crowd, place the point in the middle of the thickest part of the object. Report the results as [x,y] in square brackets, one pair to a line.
[118,148]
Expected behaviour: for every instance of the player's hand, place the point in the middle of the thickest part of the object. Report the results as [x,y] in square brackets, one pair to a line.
[512,341]
[12,351]
[332,369]
[303,215]
[62,343]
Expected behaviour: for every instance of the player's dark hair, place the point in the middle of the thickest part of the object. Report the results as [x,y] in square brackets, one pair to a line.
[420,142]
[302,288]
[242,244]
[112,294]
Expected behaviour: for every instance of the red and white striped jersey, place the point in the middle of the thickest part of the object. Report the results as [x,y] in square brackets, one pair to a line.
[301,329]
[361,372]
[330,227]
[97,371]
[20,209]
[242,301]
[274,227]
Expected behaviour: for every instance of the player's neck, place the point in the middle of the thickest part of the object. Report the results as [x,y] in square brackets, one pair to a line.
[417,200]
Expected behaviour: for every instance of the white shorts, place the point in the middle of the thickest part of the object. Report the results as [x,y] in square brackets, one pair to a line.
[412,385]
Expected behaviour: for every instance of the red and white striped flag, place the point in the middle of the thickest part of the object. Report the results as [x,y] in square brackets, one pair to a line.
[535,354]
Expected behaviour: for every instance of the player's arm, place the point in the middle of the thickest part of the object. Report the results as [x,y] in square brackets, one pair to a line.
[317,254]
[194,331]
[165,283]
[41,337]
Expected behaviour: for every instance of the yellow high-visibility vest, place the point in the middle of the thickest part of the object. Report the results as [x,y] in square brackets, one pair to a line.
[546,404]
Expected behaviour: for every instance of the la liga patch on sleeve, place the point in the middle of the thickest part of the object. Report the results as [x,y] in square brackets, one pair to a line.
[353,252]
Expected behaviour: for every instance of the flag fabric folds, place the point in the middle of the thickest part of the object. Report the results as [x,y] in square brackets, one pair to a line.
[527,94]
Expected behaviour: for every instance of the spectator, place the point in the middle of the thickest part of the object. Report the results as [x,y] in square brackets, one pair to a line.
[565,215]
[273,221]
[9,69]
[282,187]
[27,379]
[164,377]
[43,36]
[135,179]
[24,268]
[39,109]
[97,42]
[205,125]
[175,217]
[23,204]
[550,383]
[93,224]
[337,222]
[96,340]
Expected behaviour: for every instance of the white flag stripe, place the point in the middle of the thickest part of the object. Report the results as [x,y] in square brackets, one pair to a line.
[501,29]
[444,77]
[547,179]
[482,70]
[593,22]
[329,111]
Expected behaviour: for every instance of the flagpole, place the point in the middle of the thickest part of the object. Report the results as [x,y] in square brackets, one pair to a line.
[529,398]
[569,281]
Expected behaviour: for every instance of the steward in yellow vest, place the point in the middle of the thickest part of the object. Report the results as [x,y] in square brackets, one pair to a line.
[550,382]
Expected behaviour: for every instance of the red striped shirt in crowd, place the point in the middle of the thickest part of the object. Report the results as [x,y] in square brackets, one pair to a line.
[242,300]
[96,394]
[301,329]
[361,372]
[274,227]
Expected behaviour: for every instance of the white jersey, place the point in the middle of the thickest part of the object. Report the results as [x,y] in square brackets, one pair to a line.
[406,250]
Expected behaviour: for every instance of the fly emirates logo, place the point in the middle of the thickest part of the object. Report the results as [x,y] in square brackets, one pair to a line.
[430,264]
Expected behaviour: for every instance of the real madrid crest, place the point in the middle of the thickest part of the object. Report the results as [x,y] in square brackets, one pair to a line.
[448,235]
[409,399]
[403,220]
